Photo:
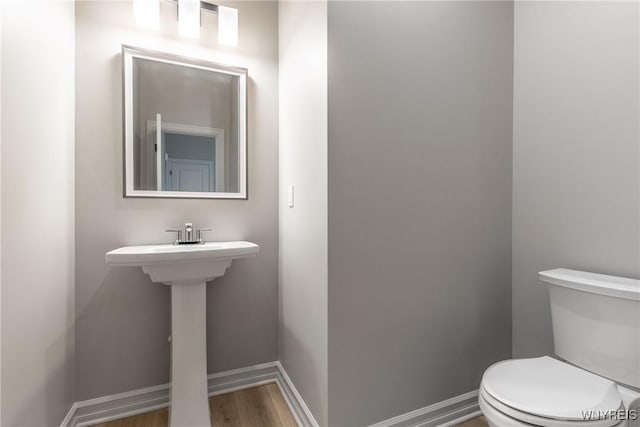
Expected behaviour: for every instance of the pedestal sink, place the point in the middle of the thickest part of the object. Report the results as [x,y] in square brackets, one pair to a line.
[187,269]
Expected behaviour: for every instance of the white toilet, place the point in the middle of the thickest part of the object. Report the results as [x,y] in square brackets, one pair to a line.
[596,331]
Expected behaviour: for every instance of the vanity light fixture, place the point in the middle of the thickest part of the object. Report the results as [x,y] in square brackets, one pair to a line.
[147,14]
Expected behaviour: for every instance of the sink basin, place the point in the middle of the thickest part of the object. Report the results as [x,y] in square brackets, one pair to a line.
[187,269]
[182,264]
[153,254]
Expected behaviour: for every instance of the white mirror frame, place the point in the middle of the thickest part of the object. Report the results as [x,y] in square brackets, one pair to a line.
[128,54]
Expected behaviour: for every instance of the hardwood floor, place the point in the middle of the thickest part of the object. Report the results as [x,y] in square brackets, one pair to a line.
[475,422]
[261,406]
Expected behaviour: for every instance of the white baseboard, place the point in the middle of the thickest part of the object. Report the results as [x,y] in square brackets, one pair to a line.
[298,407]
[447,413]
[127,404]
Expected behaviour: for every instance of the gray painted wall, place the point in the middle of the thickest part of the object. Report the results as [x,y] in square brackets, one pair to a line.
[303,228]
[37,212]
[576,160]
[123,319]
[420,114]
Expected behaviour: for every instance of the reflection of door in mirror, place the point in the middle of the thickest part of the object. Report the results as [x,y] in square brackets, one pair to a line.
[187,127]
[188,175]
[176,153]
[189,163]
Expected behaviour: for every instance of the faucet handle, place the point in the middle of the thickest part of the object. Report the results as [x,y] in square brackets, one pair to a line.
[199,234]
[177,231]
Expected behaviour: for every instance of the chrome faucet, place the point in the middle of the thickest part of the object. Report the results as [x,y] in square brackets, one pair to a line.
[188,235]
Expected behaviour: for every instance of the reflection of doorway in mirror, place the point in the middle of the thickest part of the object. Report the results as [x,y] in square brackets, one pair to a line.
[184,157]
[189,162]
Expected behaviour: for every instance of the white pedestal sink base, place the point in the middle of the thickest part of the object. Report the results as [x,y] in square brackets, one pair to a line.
[189,396]
[187,269]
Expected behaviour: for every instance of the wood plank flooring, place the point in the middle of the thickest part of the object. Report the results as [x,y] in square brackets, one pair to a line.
[261,406]
[475,422]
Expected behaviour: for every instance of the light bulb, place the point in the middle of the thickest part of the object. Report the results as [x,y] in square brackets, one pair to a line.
[189,18]
[228,26]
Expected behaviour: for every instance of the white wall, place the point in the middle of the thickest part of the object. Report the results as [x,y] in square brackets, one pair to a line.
[576,156]
[124,319]
[37,212]
[303,228]
[1,19]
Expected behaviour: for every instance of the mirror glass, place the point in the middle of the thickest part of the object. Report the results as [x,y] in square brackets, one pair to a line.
[185,127]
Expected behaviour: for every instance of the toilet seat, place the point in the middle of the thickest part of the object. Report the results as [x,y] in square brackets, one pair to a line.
[520,418]
[547,392]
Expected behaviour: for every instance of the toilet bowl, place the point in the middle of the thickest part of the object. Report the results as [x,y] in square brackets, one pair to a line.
[596,330]
[551,393]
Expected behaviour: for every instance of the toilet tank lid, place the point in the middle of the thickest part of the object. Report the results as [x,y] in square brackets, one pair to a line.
[612,286]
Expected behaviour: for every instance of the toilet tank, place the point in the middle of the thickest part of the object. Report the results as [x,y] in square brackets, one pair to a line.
[596,322]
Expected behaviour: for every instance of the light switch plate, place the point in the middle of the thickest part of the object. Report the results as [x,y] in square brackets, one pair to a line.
[291,196]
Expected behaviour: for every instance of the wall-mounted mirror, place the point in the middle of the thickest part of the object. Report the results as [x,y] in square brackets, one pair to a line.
[185,124]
